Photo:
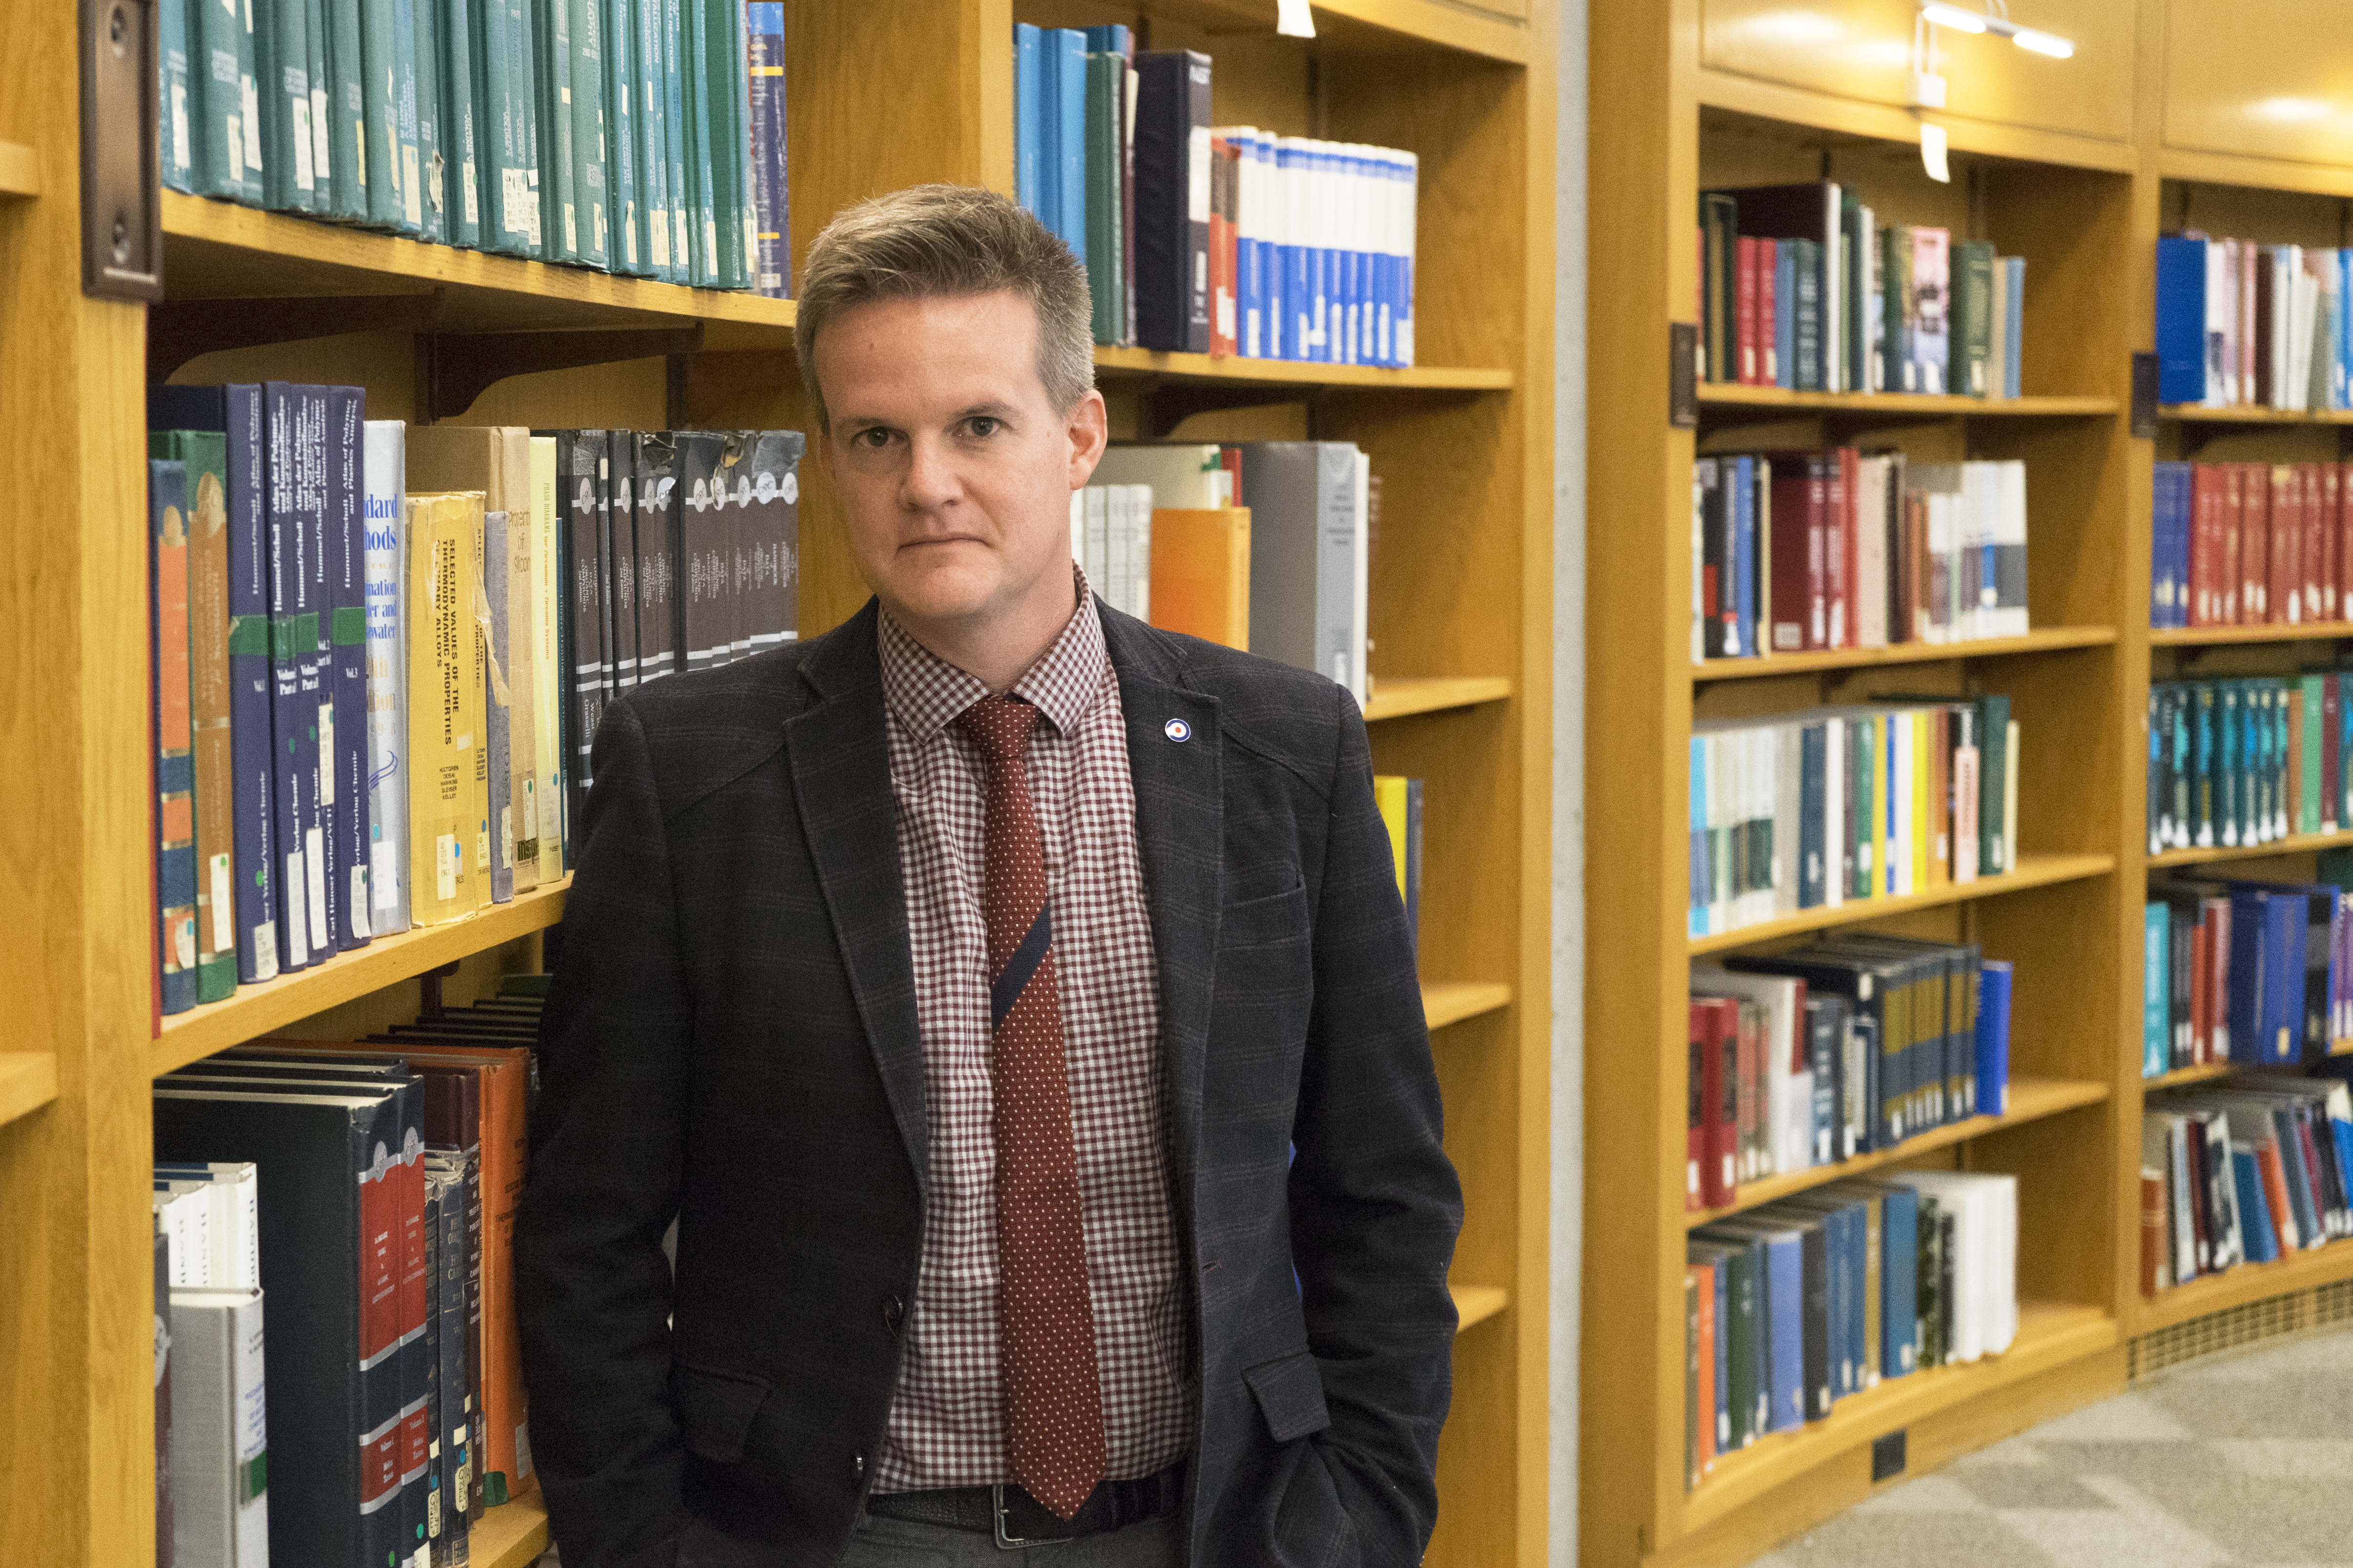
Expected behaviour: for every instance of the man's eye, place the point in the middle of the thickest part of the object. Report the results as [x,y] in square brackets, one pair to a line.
[875,436]
[983,425]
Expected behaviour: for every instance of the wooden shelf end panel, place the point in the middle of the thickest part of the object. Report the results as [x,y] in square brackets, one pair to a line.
[256,1010]
[1476,1304]
[2034,871]
[1447,1003]
[2054,639]
[20,171]
[28,1081]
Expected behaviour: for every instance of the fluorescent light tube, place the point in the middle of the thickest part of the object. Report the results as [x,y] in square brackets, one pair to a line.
[2057,48]
[1953,17]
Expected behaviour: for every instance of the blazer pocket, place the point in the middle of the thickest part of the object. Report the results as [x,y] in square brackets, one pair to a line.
[716,1410]
[1260,922]
[1290,1392]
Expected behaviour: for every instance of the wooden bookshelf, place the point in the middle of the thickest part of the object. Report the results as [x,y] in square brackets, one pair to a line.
[2182,1078]
[2293,844]
[2227,637]
[1767,666]
[1476,1304]
[1945,406]
[2034,871]
[2248,1282]
[2031,1099]
[2199,414]
[1462,444]
[513,1534]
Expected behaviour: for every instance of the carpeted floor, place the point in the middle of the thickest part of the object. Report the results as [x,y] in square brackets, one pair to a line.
[2243,1458]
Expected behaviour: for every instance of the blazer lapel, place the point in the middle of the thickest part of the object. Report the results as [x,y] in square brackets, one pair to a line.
[840,764]
[1175,758]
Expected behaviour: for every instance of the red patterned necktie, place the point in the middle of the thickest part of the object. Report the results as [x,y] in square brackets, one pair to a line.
[1053,1402]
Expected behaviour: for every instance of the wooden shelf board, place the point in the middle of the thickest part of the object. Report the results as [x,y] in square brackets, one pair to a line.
[2294,844]
[2049,1334]
[2034,871]
[1382,27]
[1732,396]
[2031,1099]
[28,1081]
[2255,173]
[215,250]
[20,171]
[1476,1303]
[512,1534]
[2213,637]
[256,1010]
[1451,1004]
[2047,641]
[2247,1282]
[1397,696]
[2244,413]
[2182,1077]
[1857,122]
[1236,371]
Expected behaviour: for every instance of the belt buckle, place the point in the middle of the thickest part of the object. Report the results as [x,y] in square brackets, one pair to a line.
[1006,1542]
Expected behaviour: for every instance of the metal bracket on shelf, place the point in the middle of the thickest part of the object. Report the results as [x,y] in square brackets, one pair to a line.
[180,329]
[429,991]
[122,195]
[456,368]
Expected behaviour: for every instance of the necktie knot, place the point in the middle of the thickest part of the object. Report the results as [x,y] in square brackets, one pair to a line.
[1000,726]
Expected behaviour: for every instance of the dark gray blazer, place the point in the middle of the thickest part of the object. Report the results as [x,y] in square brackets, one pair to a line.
[731,1038]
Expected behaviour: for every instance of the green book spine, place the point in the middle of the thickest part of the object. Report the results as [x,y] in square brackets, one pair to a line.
[322,152]
[453,34]
[673,40]
[1973,317]
[175,123]
[628,244]
[282,56]
[1718,268]
[723,67]
[739,73]
[1106,286]
[653,140]
[432,167]
[220,88]
[409,194]
[2307,794]
[494,126]
[346,113]
[559,233]
[524,45]
[1995,850]
[703,186]
[586,64]
[379,145]
[1746,1329]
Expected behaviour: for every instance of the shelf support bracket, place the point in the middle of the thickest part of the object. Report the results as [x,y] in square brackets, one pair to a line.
[456,368]
[180,329]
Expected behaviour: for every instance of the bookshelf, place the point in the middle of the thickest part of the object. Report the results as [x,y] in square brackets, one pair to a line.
[2077,165]
[1460,611]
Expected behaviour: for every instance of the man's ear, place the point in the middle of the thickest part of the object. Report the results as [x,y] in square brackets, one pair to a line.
[1087,424]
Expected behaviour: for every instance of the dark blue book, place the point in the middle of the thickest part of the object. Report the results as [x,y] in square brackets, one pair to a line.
[1790,1330]
[343,759]
[2181,320]
[323,854]
[235,411]
[1741,480]
[1825,1027]
[772,266]
[2283,971]
[174,739]
[1172,251]
[1785,313]
[1814,865]
[293,647]
[1993,1037]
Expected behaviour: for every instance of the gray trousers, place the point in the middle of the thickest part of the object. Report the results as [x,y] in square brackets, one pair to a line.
[904,1544]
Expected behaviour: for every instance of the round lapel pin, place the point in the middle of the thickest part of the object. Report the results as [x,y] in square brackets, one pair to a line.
[1177,730]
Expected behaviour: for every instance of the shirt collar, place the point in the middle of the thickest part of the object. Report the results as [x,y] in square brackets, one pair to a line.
[925,693]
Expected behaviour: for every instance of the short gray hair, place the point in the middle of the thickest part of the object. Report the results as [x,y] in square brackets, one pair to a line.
[949,241]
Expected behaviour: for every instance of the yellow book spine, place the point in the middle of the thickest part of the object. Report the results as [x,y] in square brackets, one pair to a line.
[440,746]
[475,714]
[1389,793]
[547,739]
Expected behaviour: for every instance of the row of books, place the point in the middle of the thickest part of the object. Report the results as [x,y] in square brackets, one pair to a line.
[2251,544]
[211,1431]
[1833,806]
[381,653]
[1790,1307]
[2241,323]
[2247,1170]
[1846,1046]
[370,1188]
[1802,286]
[1202,239]
[632,136]
[1799,551]
[2237,762]
[2255,973]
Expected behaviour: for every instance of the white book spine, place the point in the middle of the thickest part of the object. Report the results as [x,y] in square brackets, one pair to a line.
[1139,548]
[384,520]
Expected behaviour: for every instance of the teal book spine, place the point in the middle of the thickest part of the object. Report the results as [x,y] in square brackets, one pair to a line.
[282,58]
[175,152]
[559,237]
[587,63]
[378,146]
[681,264]
[523,40]
[629,246]
[506,222]
[771,202]
[453,34]
[346,113]
[702,223]
[408,215]
[2155,989]
[322,152]
[432,166]
[226,134]
[653,146]
[739,73]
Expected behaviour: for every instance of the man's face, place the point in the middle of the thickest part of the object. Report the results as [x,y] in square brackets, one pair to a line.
[953,468]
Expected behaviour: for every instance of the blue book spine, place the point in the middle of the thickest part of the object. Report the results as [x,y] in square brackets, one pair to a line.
[1744,544]
[1994,977]
[2015,298]
[174,804]
[1272,221]
[2244,977]
[1813,882]
[2284,916]
[2156,993]
[1293,169]
[2181,320]
[322,847]
[2163,587]
[1785,314]
[1028,119]
[1256,281]
[1786,1336]
[1350,184]
[1409,197]
[1899,1279]
[1069,47]
[2343,381]
[771,194]
[2255,1214]
[293,639]
[343,766]
[653,138]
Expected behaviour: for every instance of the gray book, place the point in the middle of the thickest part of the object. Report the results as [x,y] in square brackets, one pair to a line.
[1308,555]
[771,527]
[220,1503]
[496,696]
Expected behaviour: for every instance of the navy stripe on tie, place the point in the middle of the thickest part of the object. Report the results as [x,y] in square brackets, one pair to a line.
[1006,989]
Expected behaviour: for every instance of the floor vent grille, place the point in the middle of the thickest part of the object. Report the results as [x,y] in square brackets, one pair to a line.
[2253,1322]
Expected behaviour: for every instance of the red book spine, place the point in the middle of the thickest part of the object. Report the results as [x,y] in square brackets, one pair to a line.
[2279,600]
[2335,602]
[2254,543]
[1745,308]
[2205,512]
[1769,309]
[2318,600]
[2218,984]
[2201,999]
[1796,565]
[1818,550]
[1223,165]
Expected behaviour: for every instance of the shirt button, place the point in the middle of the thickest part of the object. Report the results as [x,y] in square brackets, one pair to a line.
[895,1312]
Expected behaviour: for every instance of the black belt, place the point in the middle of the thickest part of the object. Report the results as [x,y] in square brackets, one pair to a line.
[1015,1519]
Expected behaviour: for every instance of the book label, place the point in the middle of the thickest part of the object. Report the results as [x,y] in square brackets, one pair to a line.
[224,937]
[298,932]
[314,849]
[358,904]
[382,874]
[444,866]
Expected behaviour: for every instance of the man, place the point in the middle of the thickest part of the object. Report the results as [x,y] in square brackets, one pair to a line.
[962,982]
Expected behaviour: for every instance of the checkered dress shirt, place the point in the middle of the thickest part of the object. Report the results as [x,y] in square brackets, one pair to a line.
[945,1426]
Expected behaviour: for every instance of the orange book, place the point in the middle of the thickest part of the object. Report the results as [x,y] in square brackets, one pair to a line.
[2267,1161]
[1225,181]
[1703,1275]
[1200,572]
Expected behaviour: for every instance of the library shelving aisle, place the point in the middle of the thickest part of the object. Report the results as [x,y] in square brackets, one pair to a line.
[880,97]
